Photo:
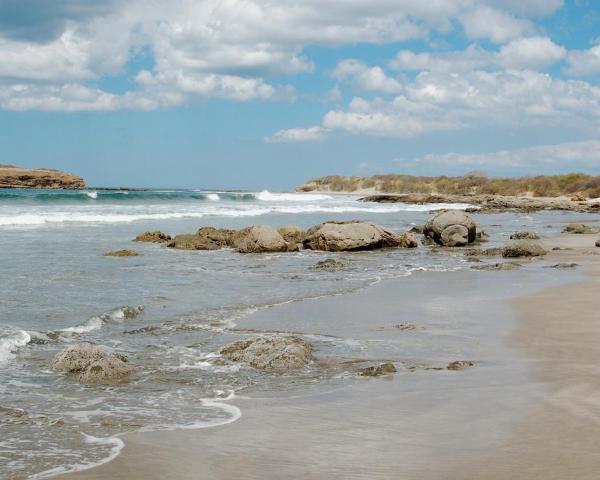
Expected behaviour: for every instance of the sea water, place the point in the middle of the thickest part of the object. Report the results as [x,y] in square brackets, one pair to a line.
[57,288]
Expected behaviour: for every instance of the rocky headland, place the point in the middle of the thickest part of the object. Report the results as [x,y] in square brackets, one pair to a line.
[16,177]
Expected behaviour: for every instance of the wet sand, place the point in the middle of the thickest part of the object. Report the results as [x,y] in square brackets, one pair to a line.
[529,408]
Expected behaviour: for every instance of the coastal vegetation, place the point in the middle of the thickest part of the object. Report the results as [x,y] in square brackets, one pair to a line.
[587,186]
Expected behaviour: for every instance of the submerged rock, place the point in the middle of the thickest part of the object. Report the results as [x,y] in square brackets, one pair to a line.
[192,242]
[523,248]
[525,236]
[376,371]
[153,237]
[92,364]
[451,228]
[292,234]
[497,267]
[487,252]
[579,228]
[460,365]
[355,236]
[122,253]
[262,239]
[277,353]
[564,266]
[329,265]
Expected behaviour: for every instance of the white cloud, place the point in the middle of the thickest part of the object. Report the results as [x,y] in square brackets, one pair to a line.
[437,101]
[531,52]
[571,156]
[495,25]
[298,135]
[362,77]
[586,62]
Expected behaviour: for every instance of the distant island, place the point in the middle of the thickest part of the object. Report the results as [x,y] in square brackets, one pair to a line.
[16,177]
[576,185]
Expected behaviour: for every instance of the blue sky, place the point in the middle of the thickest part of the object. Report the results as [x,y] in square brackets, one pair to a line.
[262,94]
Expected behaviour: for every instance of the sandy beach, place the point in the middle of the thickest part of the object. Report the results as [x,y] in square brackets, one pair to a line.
[527,409]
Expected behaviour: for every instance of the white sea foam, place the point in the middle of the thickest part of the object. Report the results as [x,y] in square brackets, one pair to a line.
[267,196]
[10,342]
[93,195]
[95,323]
[115,443]
[213,197]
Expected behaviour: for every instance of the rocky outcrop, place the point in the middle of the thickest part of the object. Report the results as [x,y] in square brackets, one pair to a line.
[459,365]
[292,234]
[122,253]
[355,236]
[528,235]
[262,239]
[376,371]
[222,237]
[523,248]
[91,364]
[15,177]
[451,228]
[153,237]
[276,353]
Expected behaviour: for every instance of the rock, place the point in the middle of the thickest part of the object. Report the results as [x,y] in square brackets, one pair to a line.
[355,236]
[261,239]
[192,242]
[329,265]
[383,369]
[417,229]
[277,353]
[563,266]
[292,234]
[153,237]
[523,248]
[480,235]
[598,243]
[15,177]
[223,237]
[578,197]
[91,364]
[122,253]
[451,228]
[459,365]
[525,236]
[496,267]
[578,228]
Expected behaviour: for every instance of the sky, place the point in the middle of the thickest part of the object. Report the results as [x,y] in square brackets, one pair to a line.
[257,94]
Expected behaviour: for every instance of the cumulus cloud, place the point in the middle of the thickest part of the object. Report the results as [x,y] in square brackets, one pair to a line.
[496,25]
[298,135]
[372,79]
[584,62]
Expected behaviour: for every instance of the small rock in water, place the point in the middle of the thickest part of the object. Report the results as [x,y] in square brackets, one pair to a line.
[153,237]
[523,248]
[525,236]
[598,243]
[376,371]
[329,264]
[579,228]
[459,365]
[277,353]
[91,364]
[496,267]
[405,326]
[122,253]
[564,265]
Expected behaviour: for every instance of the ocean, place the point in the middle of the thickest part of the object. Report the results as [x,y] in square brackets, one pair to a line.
[169,311]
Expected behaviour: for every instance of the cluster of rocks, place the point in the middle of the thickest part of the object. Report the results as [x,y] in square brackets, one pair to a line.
[328,236]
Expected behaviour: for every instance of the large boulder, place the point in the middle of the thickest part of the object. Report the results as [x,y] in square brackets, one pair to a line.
[153,237]
[192,242]
[277,353]
[91,364]
[292,234]
[222,237]
[451,228]
[354,236]
[261,239]
[523,248]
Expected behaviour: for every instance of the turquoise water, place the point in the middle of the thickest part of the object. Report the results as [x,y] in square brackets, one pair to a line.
[58,288]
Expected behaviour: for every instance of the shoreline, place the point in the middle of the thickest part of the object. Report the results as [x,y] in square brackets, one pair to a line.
[201,454]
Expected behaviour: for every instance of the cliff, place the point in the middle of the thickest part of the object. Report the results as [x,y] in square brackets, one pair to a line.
[15,177]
